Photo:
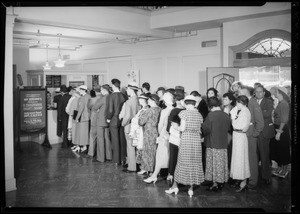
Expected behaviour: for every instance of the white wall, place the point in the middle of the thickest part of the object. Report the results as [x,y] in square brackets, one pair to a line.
[238,32]
[21,59]
[169,62]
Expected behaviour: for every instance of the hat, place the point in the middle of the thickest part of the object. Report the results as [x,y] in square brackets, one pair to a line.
[63,88]
[190,97]
[84,87]
[97,88]
[234,83]
[57,90]
[133,86]
[143,96]
[160,89]
[179,87]
[154,97]
[106,87]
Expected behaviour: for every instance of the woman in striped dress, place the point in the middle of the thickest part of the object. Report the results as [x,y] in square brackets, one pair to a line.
[189,169]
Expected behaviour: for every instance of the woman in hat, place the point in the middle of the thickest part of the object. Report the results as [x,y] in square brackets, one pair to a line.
[136,131]
[162,152]
[189,170]
[82,118]
[280,145]
[240,168]
[149,120]
[174,138]
[216,127]
[70,109]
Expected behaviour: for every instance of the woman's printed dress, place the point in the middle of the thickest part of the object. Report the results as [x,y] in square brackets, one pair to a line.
[149,120]
[189,169]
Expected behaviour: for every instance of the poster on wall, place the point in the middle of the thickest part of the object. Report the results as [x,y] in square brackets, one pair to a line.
[134,76]
[32,110]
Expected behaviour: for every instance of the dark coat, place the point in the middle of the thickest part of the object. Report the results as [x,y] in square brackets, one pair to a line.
[266,106]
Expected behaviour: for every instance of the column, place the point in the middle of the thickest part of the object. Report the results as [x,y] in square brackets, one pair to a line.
[10,181]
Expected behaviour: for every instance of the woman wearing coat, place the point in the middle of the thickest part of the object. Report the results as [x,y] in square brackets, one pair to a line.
[82,118]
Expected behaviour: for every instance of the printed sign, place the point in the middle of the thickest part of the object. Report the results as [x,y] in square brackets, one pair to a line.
[32,110]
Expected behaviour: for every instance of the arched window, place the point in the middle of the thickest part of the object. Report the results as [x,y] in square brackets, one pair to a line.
[270,47]
[264,57]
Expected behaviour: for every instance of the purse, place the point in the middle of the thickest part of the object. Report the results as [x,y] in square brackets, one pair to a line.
[75,114]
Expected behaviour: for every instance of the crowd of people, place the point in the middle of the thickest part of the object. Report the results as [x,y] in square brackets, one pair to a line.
[196,140]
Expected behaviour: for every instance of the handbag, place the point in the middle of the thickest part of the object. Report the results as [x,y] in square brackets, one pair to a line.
[75,114]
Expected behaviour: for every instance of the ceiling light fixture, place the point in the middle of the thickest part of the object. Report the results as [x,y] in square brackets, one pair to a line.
[59,63]
[47,66]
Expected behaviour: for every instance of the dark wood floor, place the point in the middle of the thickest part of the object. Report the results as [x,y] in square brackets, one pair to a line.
[61,178]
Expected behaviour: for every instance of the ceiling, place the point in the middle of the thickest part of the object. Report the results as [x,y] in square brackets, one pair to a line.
[41,35]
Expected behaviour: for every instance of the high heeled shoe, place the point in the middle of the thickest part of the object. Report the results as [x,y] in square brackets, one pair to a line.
[191,193]
[170,191]
[150,180]
[241,189]
[73,147]
[141,172]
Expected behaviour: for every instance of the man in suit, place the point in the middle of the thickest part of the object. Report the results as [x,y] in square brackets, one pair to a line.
[256,126]
[64,117]
[57,106]
[267,133]
[115,103]
[103,148]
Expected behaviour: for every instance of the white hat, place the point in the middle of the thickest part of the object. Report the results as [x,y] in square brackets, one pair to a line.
[83,87]
[190,97]
[133,85]
[234,83]
[57,90]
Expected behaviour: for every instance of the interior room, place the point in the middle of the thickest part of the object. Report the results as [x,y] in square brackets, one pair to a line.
[197,47]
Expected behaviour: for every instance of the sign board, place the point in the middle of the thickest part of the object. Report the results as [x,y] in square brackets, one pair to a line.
[33,109]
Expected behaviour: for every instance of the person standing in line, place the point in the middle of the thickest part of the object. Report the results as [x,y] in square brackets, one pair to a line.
[123,141]
[216,127]
[256,126]
[149,120]
[70,109]
[267,133]
[174,139]
[201,104]
[64,117]
[95,96]
[67,109]
[281,143]
[115,103]
[202,107]
[160,93]
[57,105]
[162,151]
[82,118]
[129,110]
[136,133]
[103,148]
[189,169]
[146,88]
[240,167]
[228,103]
